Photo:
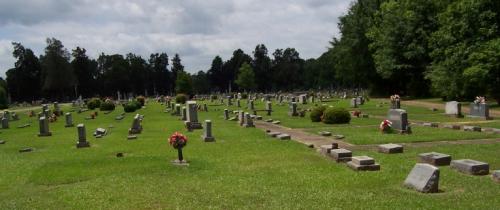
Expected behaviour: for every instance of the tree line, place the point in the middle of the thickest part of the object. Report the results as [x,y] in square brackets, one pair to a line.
[445,48]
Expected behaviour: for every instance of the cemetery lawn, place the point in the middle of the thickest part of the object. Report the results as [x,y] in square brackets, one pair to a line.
[243,169]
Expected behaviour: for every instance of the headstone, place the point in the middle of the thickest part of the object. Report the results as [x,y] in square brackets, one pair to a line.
[207,134]
[423,178]
[269,108]
[453,108]
[136,125]
[399,119]
[341,155]
[15,117]
[363,163]
[100,132]
[303,99]
[434,158]
[354,103]
[2,142]
[480,110]
[292,110]
[44,127]
[241,118]
[82,137]
[229,101]
[496,176]
[183,113]
[192,116]
[325,149]
[69,120]
[471,167]
[472,128]
[248,122]
[238,103]
[390,148]
[360,100]
[251,105]
[5,122]
[396,104]
[57,109]
[226,114]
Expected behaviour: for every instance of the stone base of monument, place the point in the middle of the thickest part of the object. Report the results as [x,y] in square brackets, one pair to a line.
[208,138]
[193,125]
[363,163]
[82,144]
[26,150]
[326,149]
[390,148]
[434,158]
[180,162]
[134,131]
[341,155]
[45,134]
[471,167]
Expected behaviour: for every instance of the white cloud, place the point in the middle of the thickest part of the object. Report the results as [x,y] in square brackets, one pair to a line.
[198,30]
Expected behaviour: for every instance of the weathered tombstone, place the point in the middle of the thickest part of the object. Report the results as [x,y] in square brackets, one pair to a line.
[472,167]
[354,103]
[248,122]
[496,176]
[226,114]
[82,137]
[177,110]
[5,122]
[292,109]
[434,158]
[399,119]
[136,125]
[303,99]
[57,109]
[390,148]
[238,102]
[229,101]
[360,100]
[251,105]
[183,113]
[69,120]
[312,99]
[479,110]
[207,134]
[269,108]
[205,107]
[363,163]
[192,116]
[423,178]
[283,136]
[453,108]
[44,127]
[241,118]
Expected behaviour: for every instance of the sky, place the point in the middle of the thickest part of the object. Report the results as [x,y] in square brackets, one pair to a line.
[198,30]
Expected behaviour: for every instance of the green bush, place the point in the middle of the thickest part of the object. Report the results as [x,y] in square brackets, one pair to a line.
[244,96]
[141,100]
[336,116]
[131,106]
[181,98]
[94,103]
[107,105]
[316,113]
[213,97]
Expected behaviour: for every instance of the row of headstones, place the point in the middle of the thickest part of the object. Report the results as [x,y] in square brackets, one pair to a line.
[464,127]
[189,114]
[454,108]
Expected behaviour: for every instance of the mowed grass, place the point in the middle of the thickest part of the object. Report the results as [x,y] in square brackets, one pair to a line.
[243,169]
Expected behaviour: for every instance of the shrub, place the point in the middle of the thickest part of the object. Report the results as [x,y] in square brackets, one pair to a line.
[213,97]
[316,113]
[244,96]
[141,100]
[131,106]
[336,116]
[107,105]
[94,103]
[181,98]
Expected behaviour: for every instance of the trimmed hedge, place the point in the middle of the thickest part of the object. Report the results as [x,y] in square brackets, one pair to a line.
[131,106]
[317,113]
[94,103]
[336,116]
[107,105]
[181,98]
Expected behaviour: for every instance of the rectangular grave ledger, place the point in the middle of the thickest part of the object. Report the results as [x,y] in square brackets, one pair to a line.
[471,167]
[434,158]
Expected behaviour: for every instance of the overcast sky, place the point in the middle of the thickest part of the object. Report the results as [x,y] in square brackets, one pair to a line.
[196,29]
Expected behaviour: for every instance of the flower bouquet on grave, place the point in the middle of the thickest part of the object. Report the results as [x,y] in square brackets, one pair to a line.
[356,113]
[386,126]
[178,141]
[480,100]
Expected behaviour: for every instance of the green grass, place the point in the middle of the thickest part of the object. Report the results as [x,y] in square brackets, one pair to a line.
[243,169]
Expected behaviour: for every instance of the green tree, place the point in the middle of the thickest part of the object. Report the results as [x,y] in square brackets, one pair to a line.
[183,83]
[161,75]
[85,71]
[246,77]
[3,98]
[261,64]
[200,83]
[215,74]
[231,67]
[24,79]
[467,35]
[55,67]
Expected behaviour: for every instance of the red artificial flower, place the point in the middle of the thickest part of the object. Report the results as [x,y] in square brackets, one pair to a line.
[177,140]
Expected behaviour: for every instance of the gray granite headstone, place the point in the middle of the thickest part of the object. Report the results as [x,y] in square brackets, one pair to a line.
[207,134]
[434,158]
[5,123]
[248,122]
[226,114]
[423,178]
[293,109]
[82,137]
[479,110]
[453,108]
[354,103]
[69,120]
[399,119]
[44,127]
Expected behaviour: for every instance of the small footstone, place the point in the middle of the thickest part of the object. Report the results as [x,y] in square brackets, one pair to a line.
[233,119]
[454,127]
[434,158]
[24,126]
[423,178]
[495,130]
[310,145]
[273,134]
[26,150]
[496,176]
[341,155]
[131,137]
[338,136]
[2,142]
[431,124]
[472,167]
[283,136]
[119,154]
[390,148]
[363,160]
[472,128]
[325,133]
[363,163]
[268,120]
[276,122]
